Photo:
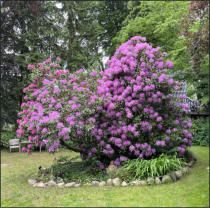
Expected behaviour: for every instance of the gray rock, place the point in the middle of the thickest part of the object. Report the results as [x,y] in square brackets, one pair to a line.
[157,180]
[185,170]
[109,182]
[60,185]
[95,183]
[102,183]
[138,183]
[51,183]
[46,184]
[142,183]
[116,181]
[31,181]
[178,174]
[173,176]
[166,179]
[150,180]
[71,184]
[124,184]
[134,183]
[41,185]
[77,185]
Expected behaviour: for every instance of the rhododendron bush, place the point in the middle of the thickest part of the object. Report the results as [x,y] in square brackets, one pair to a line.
[127,111]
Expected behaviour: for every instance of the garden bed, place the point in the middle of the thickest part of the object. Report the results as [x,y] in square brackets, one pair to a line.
[71,173]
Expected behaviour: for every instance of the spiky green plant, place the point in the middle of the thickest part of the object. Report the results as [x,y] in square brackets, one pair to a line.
[141,168]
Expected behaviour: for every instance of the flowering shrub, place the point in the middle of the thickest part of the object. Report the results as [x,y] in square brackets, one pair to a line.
[127,111]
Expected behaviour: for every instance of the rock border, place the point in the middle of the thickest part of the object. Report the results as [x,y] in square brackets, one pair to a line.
[168,178]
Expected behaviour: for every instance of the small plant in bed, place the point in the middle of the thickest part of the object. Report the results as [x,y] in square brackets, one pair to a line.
[140,169]
[66,170]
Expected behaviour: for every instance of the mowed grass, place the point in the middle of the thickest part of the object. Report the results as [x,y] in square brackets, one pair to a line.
[191,191]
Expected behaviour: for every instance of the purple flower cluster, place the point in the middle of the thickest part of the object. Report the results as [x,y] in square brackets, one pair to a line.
[125,112]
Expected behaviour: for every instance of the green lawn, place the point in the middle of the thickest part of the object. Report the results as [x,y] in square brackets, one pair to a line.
[191,191]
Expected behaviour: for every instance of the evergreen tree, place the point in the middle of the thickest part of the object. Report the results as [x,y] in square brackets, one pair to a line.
[111,15]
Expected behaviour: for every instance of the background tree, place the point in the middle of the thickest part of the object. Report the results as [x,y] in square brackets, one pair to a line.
[79,35]
[196,32]
[28,35]
[181,28]
[11,12]
[111,15]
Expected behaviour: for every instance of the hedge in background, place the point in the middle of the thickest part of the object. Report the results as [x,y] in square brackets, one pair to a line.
[200,129]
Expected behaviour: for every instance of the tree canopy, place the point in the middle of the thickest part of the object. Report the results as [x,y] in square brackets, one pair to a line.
[84,33]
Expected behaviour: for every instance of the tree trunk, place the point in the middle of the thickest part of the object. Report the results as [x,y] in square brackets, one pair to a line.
[75,149]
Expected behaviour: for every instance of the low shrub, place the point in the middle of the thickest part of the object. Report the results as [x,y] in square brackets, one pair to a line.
[125,112]
[67,170]
[200,128]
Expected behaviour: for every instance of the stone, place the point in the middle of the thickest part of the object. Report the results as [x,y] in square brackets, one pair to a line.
[51,183]
[102,183]
[190,164]
[134,183]
[88,184]
[71,184]
[166,179]
[77,185]
[157,180]
[116,181]
[150,180]
[46,184]
[185,170]
[35,185]
[178,174]
[124,184]
[60,185]
[111,167]
[109,182]
[41,185]
[31,181]
[95,183]
[138,183]
[142,183]
[173,176]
